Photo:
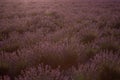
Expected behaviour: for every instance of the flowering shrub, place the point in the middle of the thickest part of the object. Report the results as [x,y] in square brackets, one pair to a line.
[103,66]
[88,34]
[42,73]
[109,44]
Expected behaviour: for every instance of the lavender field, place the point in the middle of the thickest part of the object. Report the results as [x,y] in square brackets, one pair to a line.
[59,39]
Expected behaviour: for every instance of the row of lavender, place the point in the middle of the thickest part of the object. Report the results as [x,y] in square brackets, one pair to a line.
[59,40]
